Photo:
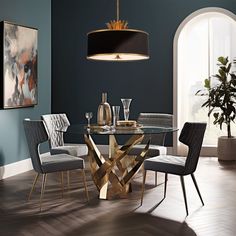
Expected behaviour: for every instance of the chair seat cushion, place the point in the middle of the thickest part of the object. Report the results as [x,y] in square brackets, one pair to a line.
[166,163]
[60,162]
[73,150]
[154,150]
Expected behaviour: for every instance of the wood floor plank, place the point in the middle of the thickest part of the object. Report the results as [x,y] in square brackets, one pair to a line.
[72,215]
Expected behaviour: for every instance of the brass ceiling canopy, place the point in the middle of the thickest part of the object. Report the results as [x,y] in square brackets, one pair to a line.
[118,43]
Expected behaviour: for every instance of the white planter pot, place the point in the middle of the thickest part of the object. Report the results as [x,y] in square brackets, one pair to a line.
[226,149]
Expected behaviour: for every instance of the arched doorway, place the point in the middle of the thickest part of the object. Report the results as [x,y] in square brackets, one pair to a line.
[200,39]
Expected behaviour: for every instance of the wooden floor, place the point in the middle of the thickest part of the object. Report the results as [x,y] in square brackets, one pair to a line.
[72,215]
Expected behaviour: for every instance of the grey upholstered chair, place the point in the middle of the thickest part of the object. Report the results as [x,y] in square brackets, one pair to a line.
[56,141]
[191,135]
[36,134]
[157,141]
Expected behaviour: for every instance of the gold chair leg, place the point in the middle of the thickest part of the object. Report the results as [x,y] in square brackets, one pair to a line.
[68,179]
[62,184]
[34,183]
[143,170]
[42,190]
[85,184]
[143,186]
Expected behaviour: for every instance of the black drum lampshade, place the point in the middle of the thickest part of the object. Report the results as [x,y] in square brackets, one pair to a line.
[118,43]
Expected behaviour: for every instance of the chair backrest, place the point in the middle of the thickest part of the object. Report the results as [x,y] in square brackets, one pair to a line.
[159,119]
[53,122]
[35,133]
[192,135]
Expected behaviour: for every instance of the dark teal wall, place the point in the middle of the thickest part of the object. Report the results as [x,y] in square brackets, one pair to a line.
[78,83]
[35,14]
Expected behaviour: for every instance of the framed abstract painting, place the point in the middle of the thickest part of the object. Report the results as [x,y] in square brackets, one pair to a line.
[18,66]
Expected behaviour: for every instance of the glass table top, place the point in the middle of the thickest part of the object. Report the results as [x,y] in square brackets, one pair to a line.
[110,130]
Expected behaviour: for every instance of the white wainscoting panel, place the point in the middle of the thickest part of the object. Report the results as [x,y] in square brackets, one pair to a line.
[15,168]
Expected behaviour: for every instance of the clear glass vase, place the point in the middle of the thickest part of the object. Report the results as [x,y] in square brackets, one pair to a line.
[116,111]
[126,104]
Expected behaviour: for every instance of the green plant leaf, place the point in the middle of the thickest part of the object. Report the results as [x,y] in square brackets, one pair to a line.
[207,83]
[222,75]
[216,115]
[210,111]
[220,121]
[233,76]
[233,82]
[217,76]
[206,103]
[228,68]
[223,60]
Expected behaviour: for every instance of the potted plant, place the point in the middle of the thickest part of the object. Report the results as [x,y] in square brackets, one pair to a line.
[221,103]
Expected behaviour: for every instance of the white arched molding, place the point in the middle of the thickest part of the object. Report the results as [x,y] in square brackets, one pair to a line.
[208,151]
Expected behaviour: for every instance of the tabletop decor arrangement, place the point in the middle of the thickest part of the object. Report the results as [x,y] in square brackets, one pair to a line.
[108,118]
[221,99]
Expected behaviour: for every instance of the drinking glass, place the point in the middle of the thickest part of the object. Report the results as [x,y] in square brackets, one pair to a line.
[116,111]
[126,103]
[88,116]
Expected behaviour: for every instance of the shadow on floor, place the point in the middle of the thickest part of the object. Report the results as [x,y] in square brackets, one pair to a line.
[72,215]
[134,224]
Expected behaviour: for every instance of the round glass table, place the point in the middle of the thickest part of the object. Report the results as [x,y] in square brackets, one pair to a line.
[110,130]
[112,175]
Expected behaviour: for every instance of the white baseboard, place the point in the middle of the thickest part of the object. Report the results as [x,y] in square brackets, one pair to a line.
[15,168]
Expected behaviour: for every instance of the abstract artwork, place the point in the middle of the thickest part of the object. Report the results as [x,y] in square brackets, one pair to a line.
[18,66]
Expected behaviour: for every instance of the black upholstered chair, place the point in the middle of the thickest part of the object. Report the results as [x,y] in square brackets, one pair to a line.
[191,135]
[36,134]
[157,141]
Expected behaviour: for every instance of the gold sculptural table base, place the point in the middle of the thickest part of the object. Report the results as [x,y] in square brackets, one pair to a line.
[112,175]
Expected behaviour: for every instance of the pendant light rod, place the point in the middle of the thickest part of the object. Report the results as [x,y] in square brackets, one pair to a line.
[117,10]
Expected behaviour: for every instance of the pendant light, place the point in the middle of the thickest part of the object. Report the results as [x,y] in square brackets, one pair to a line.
[117,42]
